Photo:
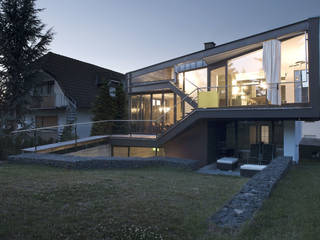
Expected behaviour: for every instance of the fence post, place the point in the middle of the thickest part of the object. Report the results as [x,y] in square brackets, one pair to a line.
[75,135]
[35,140]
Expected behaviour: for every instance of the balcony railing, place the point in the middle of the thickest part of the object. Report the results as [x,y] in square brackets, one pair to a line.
[52,101]
[284,94]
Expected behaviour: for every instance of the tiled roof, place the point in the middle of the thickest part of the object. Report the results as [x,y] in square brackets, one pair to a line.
[77,79]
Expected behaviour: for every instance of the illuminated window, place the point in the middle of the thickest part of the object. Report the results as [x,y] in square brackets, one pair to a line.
[246,80]
[265,134]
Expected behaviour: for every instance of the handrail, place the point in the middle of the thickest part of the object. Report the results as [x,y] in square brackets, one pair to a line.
[253,84]
[182,99]
[82,123]
[192,83]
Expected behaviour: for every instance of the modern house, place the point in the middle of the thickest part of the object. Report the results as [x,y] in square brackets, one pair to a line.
[262,89]
[67,90]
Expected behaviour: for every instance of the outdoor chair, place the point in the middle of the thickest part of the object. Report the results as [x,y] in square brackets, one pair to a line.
[254,154]
[267,153]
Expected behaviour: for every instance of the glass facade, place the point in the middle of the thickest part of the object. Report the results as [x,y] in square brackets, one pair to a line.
[218,84]
[156,106]
[294,69]
[120,152]
[145,152]
[239,81]
[168,108]
[246,80]
[195,79]
[179,114]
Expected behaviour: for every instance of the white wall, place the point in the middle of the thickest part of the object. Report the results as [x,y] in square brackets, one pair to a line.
[292,133]
[311,129]
[60,99]
[84,116]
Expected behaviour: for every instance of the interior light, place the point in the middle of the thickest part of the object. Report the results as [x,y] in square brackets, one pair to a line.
[235,90]
[263,85]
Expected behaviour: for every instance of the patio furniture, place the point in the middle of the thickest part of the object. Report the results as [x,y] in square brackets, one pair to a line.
[267,153]
[227,163]
[249,170]
[254,154]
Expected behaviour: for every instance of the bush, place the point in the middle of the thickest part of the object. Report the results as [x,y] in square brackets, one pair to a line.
[12,144]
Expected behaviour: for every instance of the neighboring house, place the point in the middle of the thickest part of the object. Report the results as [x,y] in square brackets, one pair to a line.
[67,93]
[221,100]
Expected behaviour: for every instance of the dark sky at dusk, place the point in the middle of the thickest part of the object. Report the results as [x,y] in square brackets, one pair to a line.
[124,35]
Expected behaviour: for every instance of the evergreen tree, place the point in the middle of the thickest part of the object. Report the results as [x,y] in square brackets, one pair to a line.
[23,40]
[121,111]
[104,109]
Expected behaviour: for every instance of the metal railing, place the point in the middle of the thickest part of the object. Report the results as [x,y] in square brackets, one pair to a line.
[51,101]
[293,92]
[72,132]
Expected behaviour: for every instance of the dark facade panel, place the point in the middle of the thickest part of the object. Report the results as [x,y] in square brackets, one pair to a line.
[191,144]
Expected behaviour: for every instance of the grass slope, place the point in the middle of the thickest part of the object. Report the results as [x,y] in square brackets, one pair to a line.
[291,213]
[38,202]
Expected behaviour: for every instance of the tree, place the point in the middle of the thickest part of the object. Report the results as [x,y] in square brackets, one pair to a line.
[121,111]
[23,40]
[107,107]
[103,109]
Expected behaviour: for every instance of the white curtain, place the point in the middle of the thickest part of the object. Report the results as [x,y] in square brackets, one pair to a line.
[272,68]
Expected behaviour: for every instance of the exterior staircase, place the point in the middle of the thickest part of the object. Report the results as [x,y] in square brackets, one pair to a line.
[165,84]
[71,116]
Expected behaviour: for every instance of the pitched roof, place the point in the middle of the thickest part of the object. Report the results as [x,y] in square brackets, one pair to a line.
[77,79]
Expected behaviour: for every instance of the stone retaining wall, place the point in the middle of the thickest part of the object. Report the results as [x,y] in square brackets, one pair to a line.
[244,204]
[76,162]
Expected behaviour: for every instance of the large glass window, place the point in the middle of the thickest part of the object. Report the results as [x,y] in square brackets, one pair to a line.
[246,80]
[195,79]
[163,74]
[135,107]
[179,108]
[142,152]
[120,151]
[168,109]
[218,84]
[294,78]
[156,106]
[146,111]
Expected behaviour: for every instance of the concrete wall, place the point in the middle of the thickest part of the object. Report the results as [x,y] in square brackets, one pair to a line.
[292,132]
[191,144]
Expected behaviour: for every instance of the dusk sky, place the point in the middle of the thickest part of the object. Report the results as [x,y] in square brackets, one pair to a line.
[128,35]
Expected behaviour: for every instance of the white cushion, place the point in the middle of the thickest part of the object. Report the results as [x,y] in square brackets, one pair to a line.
[227,160]
[253,167]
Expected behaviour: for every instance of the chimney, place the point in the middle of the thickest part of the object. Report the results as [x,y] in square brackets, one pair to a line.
[209,45]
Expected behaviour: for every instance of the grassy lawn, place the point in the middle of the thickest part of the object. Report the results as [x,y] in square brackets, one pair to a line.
[38,202]
[292,212]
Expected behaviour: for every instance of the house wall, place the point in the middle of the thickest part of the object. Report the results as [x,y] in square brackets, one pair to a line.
[84,116]
[30,118]
[60,99]
[191,144]
[292,132]
[311,129]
